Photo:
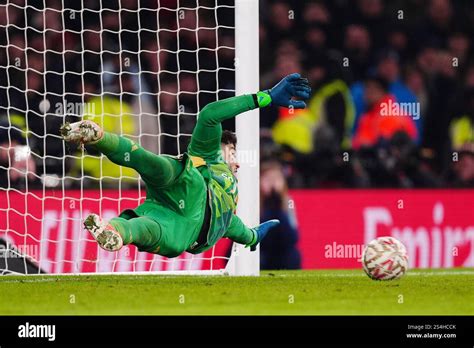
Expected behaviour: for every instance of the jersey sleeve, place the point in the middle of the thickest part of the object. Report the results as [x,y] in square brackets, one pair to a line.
[206,137]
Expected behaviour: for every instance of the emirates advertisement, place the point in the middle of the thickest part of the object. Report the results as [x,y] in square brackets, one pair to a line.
[436,226]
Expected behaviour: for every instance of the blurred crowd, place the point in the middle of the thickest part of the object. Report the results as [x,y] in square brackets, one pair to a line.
[392,103]
[393,92]
[139,68]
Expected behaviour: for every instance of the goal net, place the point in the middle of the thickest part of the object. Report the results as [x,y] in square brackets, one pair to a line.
[142,69]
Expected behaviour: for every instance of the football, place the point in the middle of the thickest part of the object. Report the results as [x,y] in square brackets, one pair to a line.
[385,258]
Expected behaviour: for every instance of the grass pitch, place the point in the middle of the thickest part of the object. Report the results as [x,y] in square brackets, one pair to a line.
[420,292]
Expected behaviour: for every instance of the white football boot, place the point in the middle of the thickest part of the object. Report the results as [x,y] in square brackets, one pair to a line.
[82,132]
[104,233]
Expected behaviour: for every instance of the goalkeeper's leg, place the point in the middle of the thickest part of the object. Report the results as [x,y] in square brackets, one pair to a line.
[142,232]
[169,236]
[159,171]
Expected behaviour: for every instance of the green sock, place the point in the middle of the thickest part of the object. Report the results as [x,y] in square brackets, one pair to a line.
[142,232]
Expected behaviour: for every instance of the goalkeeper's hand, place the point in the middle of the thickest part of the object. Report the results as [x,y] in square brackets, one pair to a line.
[291,86]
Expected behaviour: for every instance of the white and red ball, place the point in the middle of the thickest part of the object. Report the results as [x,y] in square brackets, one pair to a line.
[385,258]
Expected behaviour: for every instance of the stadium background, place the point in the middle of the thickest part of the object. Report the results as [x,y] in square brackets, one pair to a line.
[312,160]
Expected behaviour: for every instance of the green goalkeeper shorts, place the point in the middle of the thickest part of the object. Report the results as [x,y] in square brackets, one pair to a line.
[178,209]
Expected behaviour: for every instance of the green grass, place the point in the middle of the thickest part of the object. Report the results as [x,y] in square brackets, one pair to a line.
[314,292]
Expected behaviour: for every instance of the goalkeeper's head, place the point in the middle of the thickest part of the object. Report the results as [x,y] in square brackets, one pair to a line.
[229,150]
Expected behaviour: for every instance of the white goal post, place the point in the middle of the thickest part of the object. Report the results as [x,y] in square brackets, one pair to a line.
[247,81]
[41,212]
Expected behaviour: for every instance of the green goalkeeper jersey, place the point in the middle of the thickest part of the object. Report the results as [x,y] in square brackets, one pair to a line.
[205,152]
[223,196]
[177,202]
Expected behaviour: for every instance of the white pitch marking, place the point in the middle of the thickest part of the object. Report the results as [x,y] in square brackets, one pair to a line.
[52,277]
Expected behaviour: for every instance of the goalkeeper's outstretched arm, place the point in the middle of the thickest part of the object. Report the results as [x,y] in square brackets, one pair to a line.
[206,138]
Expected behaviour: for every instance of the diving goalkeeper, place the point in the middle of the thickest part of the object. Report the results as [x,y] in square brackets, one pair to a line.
[191,200]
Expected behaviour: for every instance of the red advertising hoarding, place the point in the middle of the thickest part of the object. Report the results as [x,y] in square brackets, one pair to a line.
[48,227]
[437,227]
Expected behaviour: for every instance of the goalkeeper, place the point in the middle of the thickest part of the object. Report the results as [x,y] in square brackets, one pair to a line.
[191,200]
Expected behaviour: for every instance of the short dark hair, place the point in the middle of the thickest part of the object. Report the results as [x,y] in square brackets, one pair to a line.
[229,138]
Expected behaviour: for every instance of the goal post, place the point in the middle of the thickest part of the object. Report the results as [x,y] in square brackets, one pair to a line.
[243,261]
[54,55]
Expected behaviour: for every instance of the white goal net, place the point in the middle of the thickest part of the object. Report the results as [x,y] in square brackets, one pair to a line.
[140,68]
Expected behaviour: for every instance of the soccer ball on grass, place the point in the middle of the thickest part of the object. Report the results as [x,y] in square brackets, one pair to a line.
[385,258]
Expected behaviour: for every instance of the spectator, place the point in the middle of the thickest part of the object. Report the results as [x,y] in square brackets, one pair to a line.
[444,99]
[371,13]
[416,84]
[357,50]
[459,46]
[278,250]
[380,121]
[463,168]
[388,68]
[281,23]
[462,127]
[436,26]
[398,41]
